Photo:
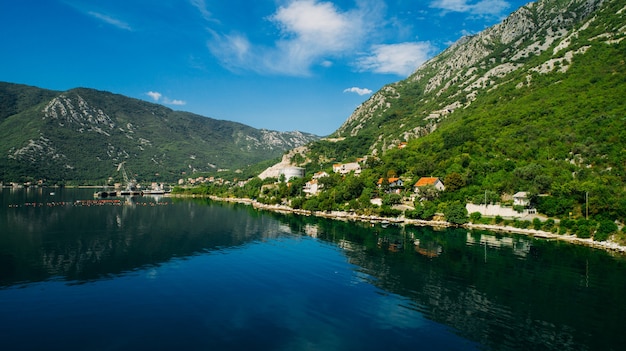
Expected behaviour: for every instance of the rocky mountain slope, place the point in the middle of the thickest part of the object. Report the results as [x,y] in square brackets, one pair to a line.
[541,38]
[82,134]
[534,104]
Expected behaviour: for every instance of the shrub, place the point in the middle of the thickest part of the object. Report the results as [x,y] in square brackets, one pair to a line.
[605,229]
[391,199]
[425,211]
[583,229]
[548,225]
[475,217]
[387,211]
[521,224]
[297,202]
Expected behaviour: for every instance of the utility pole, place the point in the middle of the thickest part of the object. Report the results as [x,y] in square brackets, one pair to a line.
[586,205]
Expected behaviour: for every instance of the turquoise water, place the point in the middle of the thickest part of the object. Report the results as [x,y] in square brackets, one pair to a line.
[161,274]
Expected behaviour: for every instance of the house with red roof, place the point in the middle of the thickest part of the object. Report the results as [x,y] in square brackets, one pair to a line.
[434,181]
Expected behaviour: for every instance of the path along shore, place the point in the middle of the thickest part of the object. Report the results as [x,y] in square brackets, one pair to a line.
[351,216]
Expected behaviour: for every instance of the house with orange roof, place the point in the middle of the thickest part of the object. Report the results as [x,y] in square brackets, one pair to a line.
[434,181]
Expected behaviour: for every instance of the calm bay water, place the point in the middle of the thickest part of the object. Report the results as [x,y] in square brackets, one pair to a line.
[191,274]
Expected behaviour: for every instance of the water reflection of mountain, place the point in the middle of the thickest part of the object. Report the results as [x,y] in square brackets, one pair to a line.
[90,242]
[506,292]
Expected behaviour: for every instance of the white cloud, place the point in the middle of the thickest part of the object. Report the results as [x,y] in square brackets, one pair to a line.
[158,97]
[177,102]
[312,32]
[401,59]
[360,91]
[481,8]
[154,95]
[110,20]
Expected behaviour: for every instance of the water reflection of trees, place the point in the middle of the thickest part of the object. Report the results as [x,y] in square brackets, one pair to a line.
[85,243]
[507,292]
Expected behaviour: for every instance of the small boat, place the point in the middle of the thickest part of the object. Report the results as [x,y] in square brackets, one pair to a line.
[153,192]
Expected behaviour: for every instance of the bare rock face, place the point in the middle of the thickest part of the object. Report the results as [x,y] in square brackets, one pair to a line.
[286,161]
[482,62]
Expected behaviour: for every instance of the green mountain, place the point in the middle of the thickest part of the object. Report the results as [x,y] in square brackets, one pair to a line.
[536,103]
[81,135]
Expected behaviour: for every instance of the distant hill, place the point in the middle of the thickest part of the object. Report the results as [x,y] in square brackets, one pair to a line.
[536,103]
[81,135]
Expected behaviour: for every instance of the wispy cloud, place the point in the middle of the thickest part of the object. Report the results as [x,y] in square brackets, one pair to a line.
[401,59]
[174,102]
[479,8]
[158,97]
[110,20]
[360,91]
[204,11]
[312,33]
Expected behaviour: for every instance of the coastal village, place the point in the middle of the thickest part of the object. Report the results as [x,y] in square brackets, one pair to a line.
[512,214]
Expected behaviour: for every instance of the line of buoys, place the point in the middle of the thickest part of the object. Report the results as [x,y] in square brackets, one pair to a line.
[87,203]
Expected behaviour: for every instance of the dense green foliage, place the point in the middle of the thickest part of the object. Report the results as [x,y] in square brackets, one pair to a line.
[557,134]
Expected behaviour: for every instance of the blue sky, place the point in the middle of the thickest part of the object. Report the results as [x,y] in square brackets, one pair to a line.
[275,64]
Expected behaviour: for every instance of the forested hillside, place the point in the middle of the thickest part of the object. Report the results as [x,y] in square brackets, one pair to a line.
[81,135]
[535,104]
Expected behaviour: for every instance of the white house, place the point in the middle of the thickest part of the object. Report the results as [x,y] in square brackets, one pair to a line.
[395,184]
[521,199]
[312,187]
[345,168]
[319,175]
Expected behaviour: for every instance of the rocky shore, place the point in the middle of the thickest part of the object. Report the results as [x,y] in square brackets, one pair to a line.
[351,216]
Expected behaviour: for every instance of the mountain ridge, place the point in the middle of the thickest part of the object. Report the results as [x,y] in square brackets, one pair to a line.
[475,64]
[82,134]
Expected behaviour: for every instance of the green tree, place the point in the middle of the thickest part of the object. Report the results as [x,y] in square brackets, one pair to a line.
[428,192]
[391,199]
[454,181]
[456,213]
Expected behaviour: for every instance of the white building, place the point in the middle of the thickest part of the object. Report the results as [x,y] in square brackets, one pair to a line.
[521,199]
[312,187]
[345,168]
[292,172]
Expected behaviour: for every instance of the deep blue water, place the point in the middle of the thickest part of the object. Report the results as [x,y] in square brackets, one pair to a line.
[164,274]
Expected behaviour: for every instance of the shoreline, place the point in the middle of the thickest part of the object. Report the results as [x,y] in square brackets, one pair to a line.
[608,246]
